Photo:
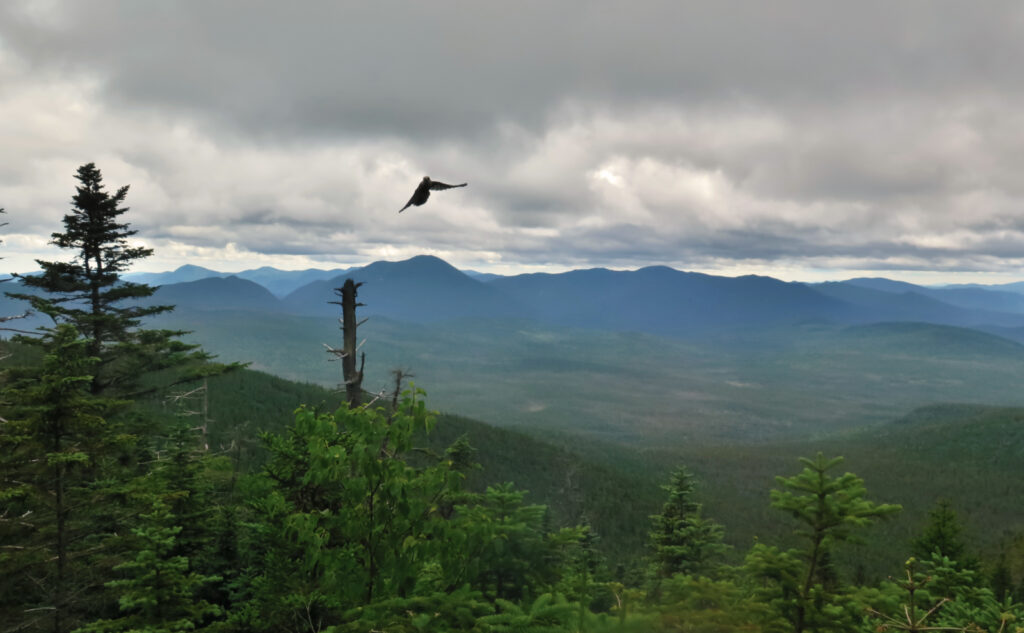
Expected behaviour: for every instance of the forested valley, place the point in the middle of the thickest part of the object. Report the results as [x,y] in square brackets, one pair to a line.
[146,486]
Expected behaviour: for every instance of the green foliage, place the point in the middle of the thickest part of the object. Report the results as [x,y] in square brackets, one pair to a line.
[702,605]
[158,593]
[684,542]
[549,613]
[343,520]
[612,497]
[195,486]
[777,577]
[971,603]
[827,510]
[58,453]
[1001,580]
[938,594]
[351,527]
[942,535]
[963,453]
[584,573]
[435,612]
[240,405]
[503,547]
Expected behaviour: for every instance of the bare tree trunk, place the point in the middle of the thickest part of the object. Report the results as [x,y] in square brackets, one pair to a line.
[353,376]
[60,590]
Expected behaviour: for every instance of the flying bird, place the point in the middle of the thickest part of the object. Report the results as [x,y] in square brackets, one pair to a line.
[423,191]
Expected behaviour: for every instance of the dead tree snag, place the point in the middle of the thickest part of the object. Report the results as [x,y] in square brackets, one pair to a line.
[353,377]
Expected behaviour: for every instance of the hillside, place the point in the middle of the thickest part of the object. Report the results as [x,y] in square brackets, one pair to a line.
[887,300]
[638,389]
[217,293]
[244,403]
[928,339]
[969,454]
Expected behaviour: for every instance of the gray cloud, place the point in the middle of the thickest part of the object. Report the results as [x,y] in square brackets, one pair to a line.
[448,68]
[700,134]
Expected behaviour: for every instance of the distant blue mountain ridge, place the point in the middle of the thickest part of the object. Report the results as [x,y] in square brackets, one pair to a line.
[656,299]
[278,282]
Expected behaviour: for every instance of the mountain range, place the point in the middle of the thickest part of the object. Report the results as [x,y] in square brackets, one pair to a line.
[657,299]
[649,357]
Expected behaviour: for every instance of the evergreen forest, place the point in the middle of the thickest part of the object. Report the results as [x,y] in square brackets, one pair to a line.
[147,486]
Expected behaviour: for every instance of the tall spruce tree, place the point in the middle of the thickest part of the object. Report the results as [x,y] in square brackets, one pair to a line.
[683,541]
[157,593]
[89,293]
[57,455]
[943,535]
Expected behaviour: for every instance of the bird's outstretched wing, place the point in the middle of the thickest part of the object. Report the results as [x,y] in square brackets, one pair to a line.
[440,186]
[409,204]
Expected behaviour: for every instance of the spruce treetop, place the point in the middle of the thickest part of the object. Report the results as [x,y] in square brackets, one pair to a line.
[93,230]
[89,293]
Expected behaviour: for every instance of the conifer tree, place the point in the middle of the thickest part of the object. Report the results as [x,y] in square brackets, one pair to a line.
[683,541]
[1001,580]
[57,451]
[828,511]
[184,481]
[508,550]
[185,490]
[943,535]
[89,293]
[158,593]
[940,595]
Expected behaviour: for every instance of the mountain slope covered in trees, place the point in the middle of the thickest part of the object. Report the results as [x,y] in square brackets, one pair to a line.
[968,454]
[640,389]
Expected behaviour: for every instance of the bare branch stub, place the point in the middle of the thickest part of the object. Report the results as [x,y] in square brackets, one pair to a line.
[399,376]
[184,401]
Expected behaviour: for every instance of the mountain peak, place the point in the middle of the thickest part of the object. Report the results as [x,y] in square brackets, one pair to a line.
[418,266]
[428,260]
[193,269]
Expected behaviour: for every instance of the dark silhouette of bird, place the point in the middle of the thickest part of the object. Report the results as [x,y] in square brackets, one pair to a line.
[423,191]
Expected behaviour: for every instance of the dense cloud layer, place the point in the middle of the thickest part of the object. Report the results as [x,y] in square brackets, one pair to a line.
[797,138]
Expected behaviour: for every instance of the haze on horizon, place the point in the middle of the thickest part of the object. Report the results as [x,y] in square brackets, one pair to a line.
[806,141]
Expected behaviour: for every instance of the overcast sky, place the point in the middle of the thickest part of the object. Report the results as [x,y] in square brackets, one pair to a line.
[805,140]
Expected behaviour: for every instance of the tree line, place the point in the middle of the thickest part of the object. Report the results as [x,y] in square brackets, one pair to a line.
[113,520]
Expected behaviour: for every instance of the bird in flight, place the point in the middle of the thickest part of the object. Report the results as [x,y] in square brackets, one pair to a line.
[423,191]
